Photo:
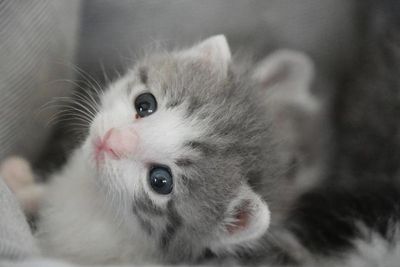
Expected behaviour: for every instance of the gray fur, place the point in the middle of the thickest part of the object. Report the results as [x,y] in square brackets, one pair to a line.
[241,146]
[146,205]
[230,149]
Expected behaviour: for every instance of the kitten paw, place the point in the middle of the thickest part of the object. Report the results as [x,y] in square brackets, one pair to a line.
[18,175]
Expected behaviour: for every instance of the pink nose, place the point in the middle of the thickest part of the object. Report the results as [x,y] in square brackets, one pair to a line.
[118,143]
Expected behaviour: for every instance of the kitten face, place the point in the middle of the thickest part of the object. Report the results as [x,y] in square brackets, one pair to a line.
[174,144]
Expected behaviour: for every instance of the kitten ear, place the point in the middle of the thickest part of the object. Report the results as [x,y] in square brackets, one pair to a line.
[289,75]
[214,50]
[246,219]
[286,78]
[298,115]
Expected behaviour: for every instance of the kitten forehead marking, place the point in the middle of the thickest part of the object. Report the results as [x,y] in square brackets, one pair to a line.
[143,74]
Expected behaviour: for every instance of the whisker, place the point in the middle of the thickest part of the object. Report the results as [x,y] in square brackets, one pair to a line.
[90,112]
[90,79]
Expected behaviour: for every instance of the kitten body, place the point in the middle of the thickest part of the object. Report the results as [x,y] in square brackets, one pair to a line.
[221,130]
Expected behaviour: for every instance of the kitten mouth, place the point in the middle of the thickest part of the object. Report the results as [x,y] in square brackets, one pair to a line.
[101,150]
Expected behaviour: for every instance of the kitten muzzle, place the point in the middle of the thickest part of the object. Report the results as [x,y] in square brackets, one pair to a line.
[117,143]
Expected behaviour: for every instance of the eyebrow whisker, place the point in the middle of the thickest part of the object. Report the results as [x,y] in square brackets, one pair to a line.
[184,162]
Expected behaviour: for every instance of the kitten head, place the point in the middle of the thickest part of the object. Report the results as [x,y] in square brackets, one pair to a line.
[176,144]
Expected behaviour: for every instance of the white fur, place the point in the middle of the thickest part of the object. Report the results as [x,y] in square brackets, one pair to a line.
[160,136]
[86,215]
[372,252]
[78,224]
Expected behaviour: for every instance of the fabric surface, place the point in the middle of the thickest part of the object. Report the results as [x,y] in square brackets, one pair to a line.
[37,44]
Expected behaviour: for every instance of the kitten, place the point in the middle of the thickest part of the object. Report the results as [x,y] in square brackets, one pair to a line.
[190,154]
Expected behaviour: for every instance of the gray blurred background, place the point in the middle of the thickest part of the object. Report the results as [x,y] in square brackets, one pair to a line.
[42,42]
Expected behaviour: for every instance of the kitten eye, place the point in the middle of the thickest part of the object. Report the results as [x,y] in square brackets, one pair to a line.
[160,179]
[145,104]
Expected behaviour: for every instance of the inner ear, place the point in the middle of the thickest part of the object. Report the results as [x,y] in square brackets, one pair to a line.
[246,219]
[240,218]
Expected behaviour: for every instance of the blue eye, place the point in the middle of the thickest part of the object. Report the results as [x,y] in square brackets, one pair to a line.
[145,104]
[160,179]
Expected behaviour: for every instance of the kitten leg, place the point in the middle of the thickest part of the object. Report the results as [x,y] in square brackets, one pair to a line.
[18,175]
